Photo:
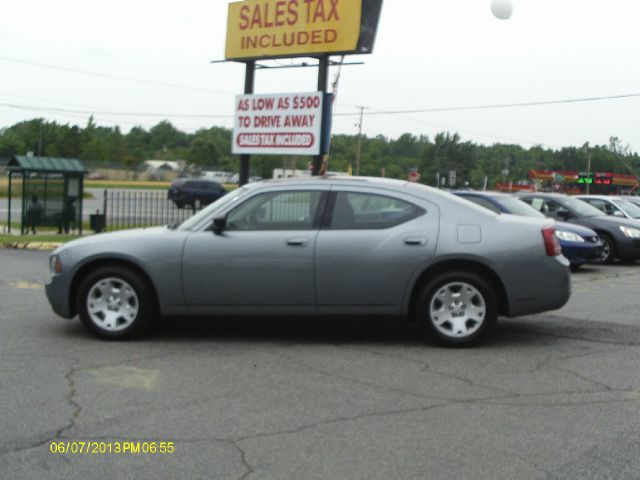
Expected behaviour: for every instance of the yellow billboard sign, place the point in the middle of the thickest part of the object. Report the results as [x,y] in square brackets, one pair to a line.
[289,28]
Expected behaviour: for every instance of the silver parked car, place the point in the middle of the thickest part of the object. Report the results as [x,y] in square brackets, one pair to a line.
[320,246]
[615,206]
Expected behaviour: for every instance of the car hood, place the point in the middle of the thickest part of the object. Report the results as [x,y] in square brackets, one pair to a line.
[579,229]
[137,234]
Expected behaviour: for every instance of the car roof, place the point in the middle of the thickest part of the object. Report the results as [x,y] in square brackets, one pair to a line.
[543,194]
[599,197]
[483,193]
[338,179]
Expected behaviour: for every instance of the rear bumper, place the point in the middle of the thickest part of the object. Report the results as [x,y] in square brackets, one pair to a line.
[542,287]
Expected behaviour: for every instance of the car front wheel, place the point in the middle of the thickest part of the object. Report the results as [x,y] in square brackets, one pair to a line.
[115,303]
[608,249]
[457,308]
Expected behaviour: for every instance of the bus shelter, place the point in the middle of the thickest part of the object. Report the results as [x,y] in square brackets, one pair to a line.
[51,193]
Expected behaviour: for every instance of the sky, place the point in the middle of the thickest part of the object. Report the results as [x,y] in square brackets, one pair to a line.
[139,62]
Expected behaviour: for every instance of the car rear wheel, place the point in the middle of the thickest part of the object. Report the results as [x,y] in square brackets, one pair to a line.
[115,303]
[457,308]
[608,249]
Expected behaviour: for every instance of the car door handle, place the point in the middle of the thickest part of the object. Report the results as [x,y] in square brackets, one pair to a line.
[415,241]
[297,242]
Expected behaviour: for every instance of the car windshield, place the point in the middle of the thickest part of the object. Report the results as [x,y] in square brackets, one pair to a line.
[581,207]
[518,207]
[630,208]
[192,222]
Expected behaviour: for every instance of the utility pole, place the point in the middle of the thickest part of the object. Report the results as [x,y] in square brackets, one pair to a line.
[589,169]
[359,141]
[40,139]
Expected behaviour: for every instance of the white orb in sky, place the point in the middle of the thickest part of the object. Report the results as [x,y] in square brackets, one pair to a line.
[502,9]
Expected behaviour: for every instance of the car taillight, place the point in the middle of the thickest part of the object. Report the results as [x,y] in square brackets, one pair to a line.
[551,243]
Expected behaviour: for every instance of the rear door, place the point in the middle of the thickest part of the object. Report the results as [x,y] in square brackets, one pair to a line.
[371,245]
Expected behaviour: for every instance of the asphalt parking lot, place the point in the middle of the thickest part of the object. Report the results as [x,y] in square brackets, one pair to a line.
[553,396]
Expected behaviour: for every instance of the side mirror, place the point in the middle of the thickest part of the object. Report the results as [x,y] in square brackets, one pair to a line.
[219,224]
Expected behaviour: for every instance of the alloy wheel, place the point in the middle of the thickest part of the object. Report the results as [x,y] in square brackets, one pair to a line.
[112,304]
[457,310]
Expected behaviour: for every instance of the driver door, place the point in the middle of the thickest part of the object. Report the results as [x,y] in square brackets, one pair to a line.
[263,260]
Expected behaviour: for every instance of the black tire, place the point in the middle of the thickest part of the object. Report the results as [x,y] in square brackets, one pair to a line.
[575,267]
[609,249]
[477,308]
[113,317]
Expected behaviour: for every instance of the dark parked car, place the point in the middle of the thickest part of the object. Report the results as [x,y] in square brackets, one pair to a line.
[333,245]
[579,244]
[620,237]
[194,192]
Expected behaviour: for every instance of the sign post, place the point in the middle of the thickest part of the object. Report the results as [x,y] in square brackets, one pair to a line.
[268,29]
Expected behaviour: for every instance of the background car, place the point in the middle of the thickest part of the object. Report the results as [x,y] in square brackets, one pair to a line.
[194,192]
[320,245]
[579,244]
[620,236]
[633,199]
[611,205]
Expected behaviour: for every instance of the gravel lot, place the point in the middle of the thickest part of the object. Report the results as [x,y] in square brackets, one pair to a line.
[547,396]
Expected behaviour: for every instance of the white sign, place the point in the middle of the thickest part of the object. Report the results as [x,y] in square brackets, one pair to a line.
[279,124]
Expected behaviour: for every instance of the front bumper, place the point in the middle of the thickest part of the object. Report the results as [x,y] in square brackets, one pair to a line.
[583,253]
[628,249]
[57,291]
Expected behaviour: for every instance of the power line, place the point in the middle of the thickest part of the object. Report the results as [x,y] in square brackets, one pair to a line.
[97,112]
[372,112]
[497,106]
[115,77]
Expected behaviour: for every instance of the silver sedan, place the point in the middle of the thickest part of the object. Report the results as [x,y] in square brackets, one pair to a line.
[319,246]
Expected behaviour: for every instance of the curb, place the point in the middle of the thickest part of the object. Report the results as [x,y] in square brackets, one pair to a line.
[31,245]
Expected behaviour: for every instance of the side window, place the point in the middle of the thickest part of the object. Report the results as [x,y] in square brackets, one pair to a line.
[368,211]
[546,207]
[483,202]
[534,202]
[294,210]
[599,204]
[555,210]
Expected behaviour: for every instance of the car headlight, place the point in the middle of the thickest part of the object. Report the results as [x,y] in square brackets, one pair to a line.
[630,232]
[568,236]
[55,265]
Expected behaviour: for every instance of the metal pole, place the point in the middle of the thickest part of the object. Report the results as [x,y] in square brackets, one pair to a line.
[104,208]
[249,81]
[589,170]
[323,81]
[9,202]
[80,205]
[359,141]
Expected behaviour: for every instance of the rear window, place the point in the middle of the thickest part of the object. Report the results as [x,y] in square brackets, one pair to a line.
[364,211]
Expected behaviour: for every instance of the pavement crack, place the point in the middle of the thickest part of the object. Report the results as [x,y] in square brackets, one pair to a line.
[468,381]
[362,382]
[57,434]
[243,459]
[76,407]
